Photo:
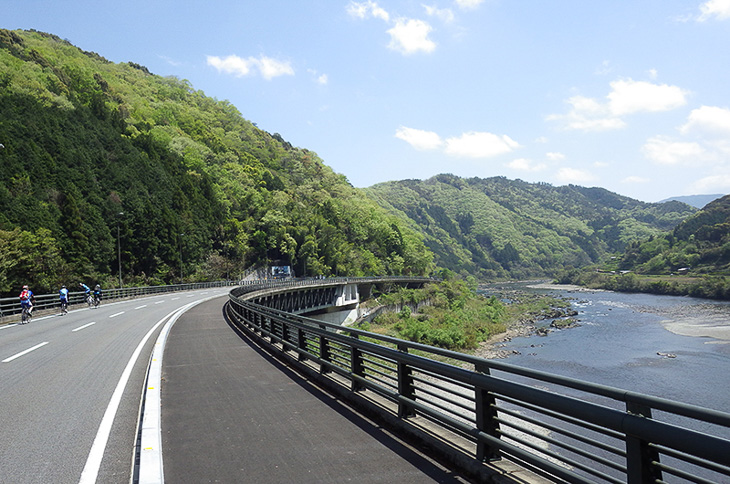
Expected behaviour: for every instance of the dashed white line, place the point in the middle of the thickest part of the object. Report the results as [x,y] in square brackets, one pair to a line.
[18,355]
[116,314]
[159,302]
[82,327]
[140,307]
[174,299]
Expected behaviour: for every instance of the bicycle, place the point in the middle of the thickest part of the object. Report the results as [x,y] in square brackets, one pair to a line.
[89,300]
[64,307]
[26,316]
[97,300]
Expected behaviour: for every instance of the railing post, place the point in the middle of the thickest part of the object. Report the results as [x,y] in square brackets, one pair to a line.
[405,386]
[639,455]
[356,367]
[324,350]
[301,343]
[486,414]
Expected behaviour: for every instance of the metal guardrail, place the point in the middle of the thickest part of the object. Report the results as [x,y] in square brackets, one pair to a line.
[565,429]
[11,306]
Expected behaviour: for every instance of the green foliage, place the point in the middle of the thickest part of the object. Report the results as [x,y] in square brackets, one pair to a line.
[498,228]
[203,192]
[450,315]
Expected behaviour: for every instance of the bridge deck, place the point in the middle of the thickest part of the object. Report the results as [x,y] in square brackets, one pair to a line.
[231,413]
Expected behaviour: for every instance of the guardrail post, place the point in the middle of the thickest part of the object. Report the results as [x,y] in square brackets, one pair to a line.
[324,350]
[405,387]
[356,366]
[639,455]
[301,343]
[486,414]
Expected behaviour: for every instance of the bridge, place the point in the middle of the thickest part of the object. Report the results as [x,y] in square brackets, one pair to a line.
[259,386]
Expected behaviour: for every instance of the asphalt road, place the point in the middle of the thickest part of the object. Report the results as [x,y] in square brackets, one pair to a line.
[231,413]
[60,376]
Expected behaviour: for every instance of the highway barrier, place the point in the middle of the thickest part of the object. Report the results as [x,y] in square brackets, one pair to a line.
[564,429]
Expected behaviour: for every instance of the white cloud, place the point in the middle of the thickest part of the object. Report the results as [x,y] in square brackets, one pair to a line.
[409,36]
[628,97]
[719,183]
[587,114]
[480,145]
[719,9]
[665,151]
[365,10]
[444,14]
[573,175]
[469,4]
[523,164]
[708,119]
[419,139]
[555,156]
[605,68]
[635,180]
[322,79]
[239,67]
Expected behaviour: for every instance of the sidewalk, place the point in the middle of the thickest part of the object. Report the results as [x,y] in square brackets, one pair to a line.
[231,413]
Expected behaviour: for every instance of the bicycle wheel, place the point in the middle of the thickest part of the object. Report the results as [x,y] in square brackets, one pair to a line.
[25,316]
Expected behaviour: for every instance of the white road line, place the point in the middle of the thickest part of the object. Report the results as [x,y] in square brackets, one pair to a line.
[7,360]
[8,326]
[116,314]
[174,299]
[140,307]
[93,462]
[82,327]
[159,302]
[153,459]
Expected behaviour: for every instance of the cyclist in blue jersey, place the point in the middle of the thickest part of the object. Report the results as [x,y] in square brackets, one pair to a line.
[87,293]
[63,295]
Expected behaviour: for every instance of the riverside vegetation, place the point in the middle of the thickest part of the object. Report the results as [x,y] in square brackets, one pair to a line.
[453,314]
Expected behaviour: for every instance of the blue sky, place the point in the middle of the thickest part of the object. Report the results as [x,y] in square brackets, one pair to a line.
[632,96]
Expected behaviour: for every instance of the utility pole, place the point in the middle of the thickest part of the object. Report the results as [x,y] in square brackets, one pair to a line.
[119,249]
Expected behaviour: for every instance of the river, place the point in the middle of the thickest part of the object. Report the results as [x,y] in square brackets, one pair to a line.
[671,347]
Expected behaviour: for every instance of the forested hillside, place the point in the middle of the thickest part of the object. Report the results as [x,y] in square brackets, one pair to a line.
[693,259]
[497,228]
[700,244]
[100,155]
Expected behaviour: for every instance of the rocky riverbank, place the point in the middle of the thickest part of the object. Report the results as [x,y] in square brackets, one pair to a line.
[532,315]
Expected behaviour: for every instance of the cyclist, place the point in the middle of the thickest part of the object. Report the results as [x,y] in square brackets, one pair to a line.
[26,300]
[63,295]
[97,295]
[87,293]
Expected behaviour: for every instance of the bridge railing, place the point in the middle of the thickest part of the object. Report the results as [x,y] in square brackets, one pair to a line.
[568,430]
[11,306]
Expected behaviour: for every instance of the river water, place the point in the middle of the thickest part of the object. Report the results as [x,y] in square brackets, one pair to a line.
[623,341]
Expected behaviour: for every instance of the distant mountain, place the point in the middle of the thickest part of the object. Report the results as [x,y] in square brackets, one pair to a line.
[497,228]
[697,201]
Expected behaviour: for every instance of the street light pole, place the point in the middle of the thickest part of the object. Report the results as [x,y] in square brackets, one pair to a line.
[119,250]
[182,275]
